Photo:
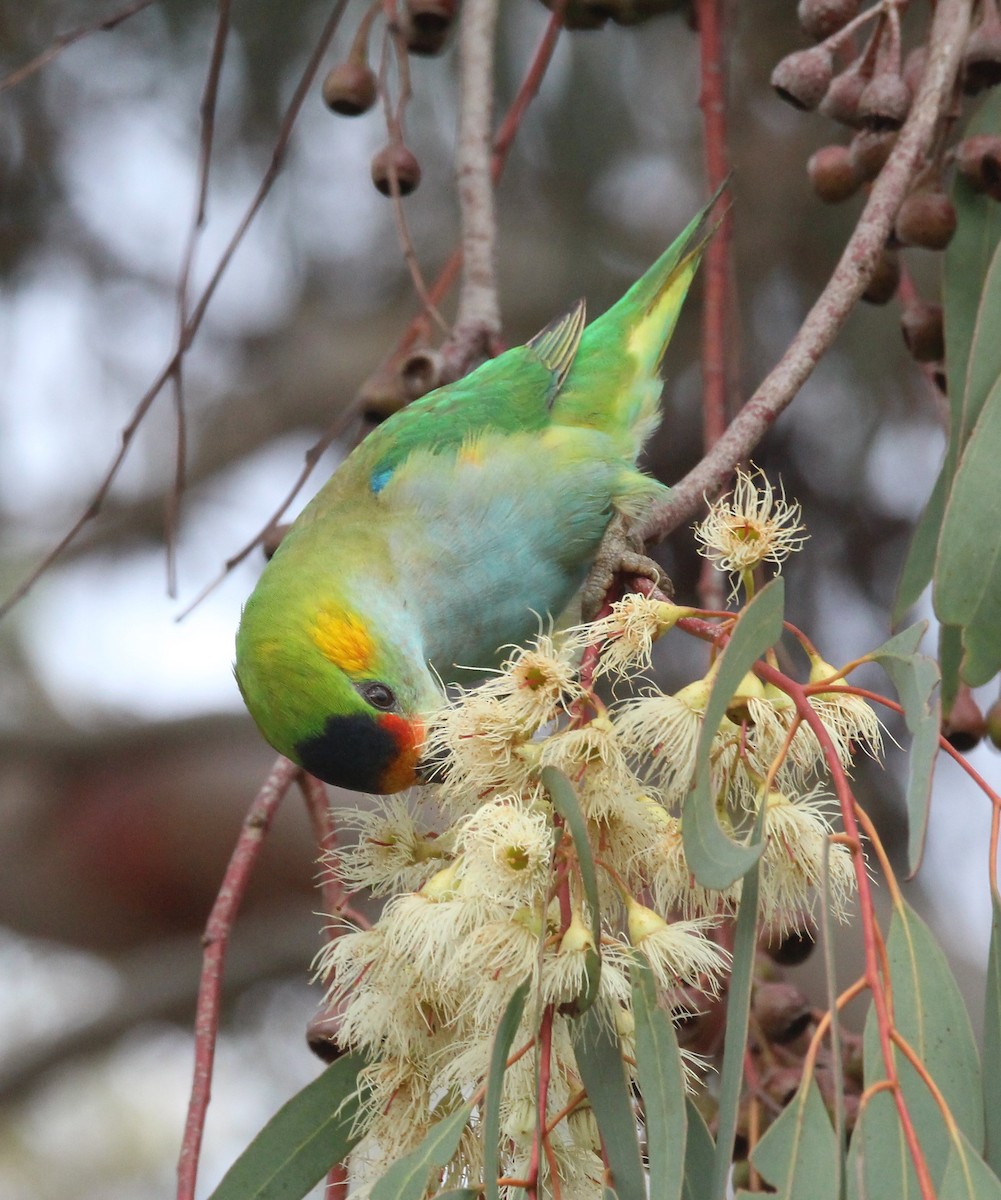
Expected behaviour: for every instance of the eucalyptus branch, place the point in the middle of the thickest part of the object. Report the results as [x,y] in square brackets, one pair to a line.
[194,321]
[216,941]
[845,287]
[64,40]
[477,323]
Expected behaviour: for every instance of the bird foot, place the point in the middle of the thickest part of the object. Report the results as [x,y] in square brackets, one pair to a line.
[620,556]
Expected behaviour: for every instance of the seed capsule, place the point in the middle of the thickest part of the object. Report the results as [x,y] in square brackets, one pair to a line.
[884,103]
[820,18]
[803,78]
[832,174]
[978,159]
[964,725]
[924,333]
[927,218]
[395,159]
[870,151]
[350,88]
[982,57]
[841,99]
[427,23]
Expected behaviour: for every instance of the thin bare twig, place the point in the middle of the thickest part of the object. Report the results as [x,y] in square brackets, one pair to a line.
[65,40]
[215,940]
[477,324]
[846,285]
[419,327]
[207,109]
[393,40]
[194,322]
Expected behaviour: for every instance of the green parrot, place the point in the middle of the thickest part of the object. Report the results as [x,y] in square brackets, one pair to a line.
[451,530]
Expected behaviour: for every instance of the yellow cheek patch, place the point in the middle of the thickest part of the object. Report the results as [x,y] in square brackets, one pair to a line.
[343,638]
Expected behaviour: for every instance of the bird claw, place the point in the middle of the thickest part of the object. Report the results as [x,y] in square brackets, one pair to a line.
[620,556]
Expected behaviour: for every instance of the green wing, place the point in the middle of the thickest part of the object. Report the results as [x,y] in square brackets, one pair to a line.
[512,393]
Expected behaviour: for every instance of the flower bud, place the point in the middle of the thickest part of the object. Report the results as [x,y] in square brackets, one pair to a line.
[884,103]
[926,218]
[350,88]
[395,160]
[642,921]
[869,151]
[803,77]
[841,100]
[832,174]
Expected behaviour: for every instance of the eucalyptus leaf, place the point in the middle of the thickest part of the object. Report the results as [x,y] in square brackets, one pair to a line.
[992,1042]
[301,1142]
[798,1154]
[503,1039]
[407,1178]
[916,679]
[599,1060]
[966,263]
[699,1153]
[930,1014]
[564,800]
[714,858]
[738,1009]
[662,1085]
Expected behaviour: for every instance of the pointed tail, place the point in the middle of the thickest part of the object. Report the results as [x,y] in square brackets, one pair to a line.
[615,383]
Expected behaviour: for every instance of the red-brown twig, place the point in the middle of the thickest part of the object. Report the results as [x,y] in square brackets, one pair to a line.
[716,298]
[187,334]
[846,285]
[875,974]
[64,40]
[477,322]
[336,901]
[215,941]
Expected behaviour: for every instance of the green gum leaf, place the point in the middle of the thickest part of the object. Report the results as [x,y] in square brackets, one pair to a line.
[799,1155]
[599,1060]
[992,1041]
[564,800]
[407,1178]
[662,1085]
[930,1014]
[699,1153]
[738,1008]
[503,1040]
[715,859]
[966,264]
[916,678]
[301,1142]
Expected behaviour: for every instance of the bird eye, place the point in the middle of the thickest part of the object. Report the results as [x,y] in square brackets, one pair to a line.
[378,695]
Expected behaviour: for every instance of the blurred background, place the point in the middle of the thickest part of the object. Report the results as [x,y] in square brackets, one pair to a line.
[126,759]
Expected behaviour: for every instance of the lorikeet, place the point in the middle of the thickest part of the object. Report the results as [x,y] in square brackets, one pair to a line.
[451,530]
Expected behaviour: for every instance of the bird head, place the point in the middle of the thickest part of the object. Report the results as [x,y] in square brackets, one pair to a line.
[339,690]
